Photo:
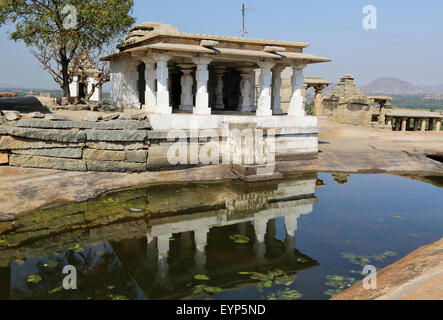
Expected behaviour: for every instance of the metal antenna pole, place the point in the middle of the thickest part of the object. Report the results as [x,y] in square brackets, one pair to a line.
[244,31]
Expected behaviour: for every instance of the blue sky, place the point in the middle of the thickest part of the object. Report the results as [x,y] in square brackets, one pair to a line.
[408,42]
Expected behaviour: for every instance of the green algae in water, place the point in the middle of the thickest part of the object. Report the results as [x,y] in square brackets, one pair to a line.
[356,258]
[338,284]
[205,289]
[55,290]
[362,260]
[201,277]
[77,248]
[276,277]
[357,272]
[239,239]
[286,294]
[382,256]
[34,278]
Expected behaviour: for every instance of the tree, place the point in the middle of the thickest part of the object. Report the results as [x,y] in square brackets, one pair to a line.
[58,31]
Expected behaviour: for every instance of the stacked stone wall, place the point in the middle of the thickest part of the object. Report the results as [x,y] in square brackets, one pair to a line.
[117,146]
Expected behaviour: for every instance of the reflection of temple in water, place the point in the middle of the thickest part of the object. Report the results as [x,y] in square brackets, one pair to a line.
[181,246]
[189,233]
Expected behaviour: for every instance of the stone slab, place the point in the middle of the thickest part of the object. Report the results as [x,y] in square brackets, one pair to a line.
[139,156]
[4,158]
[109,125]
[28,161]
[13,143]
[121,146]
[105,155]
[72,153]
[38,115]
[11,115]
[58,117]
[117,136]
[43,134]
[92,117]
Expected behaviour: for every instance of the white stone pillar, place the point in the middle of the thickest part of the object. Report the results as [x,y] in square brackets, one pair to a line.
[162,74]
[150,79]
[252,79]
[296,104]
[89,84]
[131,75]
[163,245]
[264,101]
[423,125]
[404,123]
[245,103]
[219,90]
[74,87]
[291,224]
[201,238]
[260,228]
[187,97]
[202,77]
[96,95]
[276,88]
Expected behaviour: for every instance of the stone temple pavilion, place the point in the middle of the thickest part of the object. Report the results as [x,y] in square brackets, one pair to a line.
[164,71]
[182,78]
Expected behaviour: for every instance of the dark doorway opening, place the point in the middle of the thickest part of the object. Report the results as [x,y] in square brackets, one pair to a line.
[81,90]
[231,89]
[176,88]
[141,85]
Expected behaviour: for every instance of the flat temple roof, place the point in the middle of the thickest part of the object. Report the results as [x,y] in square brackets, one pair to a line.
[152,37]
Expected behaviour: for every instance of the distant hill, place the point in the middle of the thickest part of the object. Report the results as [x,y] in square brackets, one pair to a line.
[391,86]
[5,85]
[433,89]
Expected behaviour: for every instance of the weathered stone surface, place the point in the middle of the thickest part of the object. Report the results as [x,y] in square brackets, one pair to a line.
[92,117]
[115,166]
[37,115]
[127,135]
[116,145]
[40,134]
[72,153]
[138,116]
[111,125]
[123,125]
[28,161]
[111,117]
[11,115]
[4,159]
[105,155]
[139,156]
[13,143]
[58,117]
